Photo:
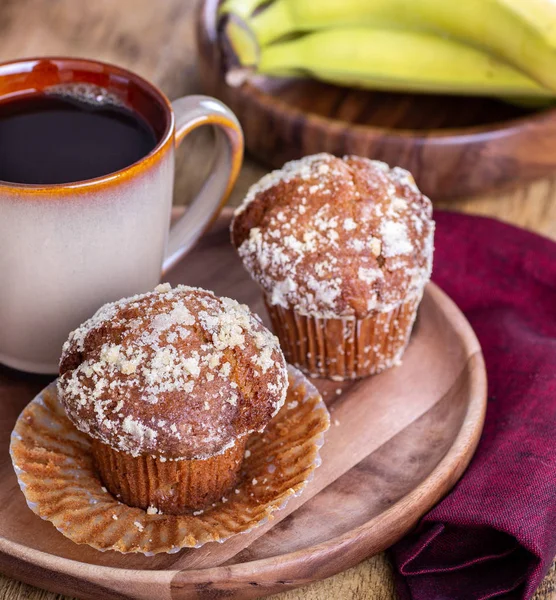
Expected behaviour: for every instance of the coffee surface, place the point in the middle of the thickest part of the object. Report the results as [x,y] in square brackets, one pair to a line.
[47,139]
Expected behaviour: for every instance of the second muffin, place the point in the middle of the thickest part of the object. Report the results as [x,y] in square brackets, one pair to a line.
[342,249]
[169,385]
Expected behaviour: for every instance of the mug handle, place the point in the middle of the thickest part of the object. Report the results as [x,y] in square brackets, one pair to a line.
[192,112]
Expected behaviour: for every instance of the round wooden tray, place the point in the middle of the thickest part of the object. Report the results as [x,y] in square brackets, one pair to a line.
[454,146]
[398,443]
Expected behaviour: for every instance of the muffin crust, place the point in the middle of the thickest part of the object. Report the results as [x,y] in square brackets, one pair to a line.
[333,237]
[175,374]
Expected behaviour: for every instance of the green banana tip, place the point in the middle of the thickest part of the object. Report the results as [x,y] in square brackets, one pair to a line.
[242,43]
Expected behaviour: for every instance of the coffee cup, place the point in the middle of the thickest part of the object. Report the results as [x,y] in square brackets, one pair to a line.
[68,247]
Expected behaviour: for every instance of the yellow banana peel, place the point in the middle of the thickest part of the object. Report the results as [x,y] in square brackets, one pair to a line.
[396,60]
[520,32]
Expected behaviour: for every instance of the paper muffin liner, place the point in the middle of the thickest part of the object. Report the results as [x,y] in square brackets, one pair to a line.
[55,469]
[170,486]
[344,348]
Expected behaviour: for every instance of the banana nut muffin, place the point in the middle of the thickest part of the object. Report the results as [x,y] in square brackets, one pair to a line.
[342,249]
[169,385]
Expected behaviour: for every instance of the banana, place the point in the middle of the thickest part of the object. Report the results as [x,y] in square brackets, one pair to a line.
[241,41]
[397,60]
[522,32]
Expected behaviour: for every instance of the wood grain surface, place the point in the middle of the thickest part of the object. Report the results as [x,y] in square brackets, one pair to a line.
[159,44]
[412,432]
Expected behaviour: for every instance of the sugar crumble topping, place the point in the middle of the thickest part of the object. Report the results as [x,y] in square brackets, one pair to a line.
[175,373]
[336,237]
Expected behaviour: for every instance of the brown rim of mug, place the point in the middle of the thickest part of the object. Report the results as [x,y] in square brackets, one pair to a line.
[136,168]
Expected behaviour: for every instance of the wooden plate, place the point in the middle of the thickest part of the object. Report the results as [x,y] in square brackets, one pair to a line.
[398,443]
[454,146]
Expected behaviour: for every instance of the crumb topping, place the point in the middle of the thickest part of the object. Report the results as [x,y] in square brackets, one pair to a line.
[335,237]
[174,373]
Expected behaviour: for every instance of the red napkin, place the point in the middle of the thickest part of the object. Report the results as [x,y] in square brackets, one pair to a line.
[494,535]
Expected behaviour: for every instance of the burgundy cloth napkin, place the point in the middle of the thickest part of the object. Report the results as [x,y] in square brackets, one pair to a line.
[494,535]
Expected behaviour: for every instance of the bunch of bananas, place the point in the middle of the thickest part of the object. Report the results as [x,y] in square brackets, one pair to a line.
[502,48]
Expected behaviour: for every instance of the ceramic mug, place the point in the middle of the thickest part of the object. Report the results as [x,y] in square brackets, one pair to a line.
[66,249]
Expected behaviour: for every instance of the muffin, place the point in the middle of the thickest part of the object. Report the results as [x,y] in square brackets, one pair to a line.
[342,249]
[169,385]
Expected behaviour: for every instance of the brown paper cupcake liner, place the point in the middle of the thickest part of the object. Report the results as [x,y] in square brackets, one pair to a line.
[173,486]
[343,348]
[55,469]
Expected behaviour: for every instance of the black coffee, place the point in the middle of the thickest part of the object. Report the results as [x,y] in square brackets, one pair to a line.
[57,139]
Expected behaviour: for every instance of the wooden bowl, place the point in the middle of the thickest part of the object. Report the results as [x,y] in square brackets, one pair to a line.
[398,442]
[454,146]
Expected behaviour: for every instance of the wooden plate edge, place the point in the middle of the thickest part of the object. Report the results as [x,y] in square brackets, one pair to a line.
[276,574]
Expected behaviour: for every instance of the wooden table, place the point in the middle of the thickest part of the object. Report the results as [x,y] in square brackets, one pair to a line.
[156,40]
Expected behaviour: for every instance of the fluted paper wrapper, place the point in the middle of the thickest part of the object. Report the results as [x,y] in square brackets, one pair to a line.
[173,486]
[344,348]
[56,472]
